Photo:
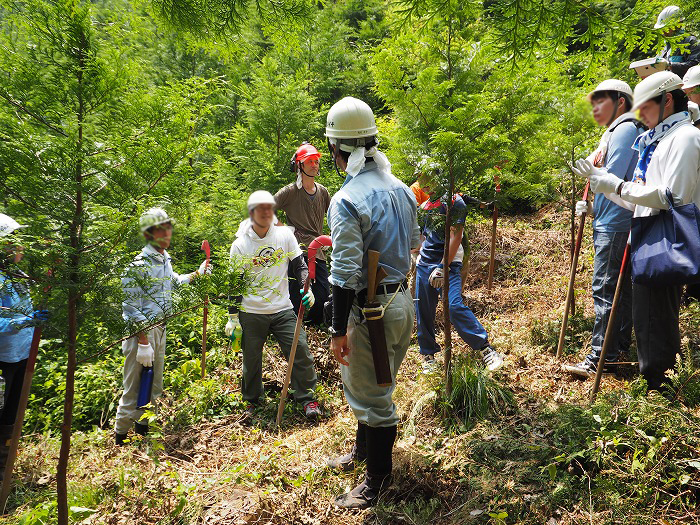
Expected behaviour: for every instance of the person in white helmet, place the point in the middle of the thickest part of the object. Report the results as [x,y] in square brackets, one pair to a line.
[669,158]
[271,251]
[691,87]
[670,21]
[147,285]
[305,203]
[373,210]
[17,322]
[611,101]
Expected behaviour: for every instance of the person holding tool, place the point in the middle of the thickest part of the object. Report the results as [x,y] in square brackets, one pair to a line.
[430,277]
[17,321]
[373,227]
[611,101]
[272,251]
[305,202]
[147,284]
[669,160]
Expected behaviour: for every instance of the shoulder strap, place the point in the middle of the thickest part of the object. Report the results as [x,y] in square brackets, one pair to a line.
[636,122]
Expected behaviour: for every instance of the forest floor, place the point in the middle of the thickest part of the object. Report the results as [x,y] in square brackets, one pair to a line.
[540,461]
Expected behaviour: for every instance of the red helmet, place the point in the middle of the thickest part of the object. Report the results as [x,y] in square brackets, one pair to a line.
[303,152]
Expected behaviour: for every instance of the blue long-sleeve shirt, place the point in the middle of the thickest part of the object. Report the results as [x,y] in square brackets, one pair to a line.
[620,160]
[434,245]
[372,211]
[148,284]
[15,335]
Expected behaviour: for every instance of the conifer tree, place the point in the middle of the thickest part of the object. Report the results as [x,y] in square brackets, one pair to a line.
[85,140]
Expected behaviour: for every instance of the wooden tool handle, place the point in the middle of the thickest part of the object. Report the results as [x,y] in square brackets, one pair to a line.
[381,275]
[372,265]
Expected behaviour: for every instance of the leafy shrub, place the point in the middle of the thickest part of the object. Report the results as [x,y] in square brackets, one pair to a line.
[632,449]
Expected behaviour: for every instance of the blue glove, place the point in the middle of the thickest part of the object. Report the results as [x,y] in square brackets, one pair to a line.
[36,318]
[41,315]
[307,298]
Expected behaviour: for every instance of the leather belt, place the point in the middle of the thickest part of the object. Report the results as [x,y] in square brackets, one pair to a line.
[382,289]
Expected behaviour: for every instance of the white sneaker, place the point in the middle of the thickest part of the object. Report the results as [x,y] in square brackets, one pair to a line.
[492,359]
[429,364]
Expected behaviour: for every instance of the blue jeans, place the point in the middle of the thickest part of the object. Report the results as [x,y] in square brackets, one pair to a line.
[609,249]
[467,325]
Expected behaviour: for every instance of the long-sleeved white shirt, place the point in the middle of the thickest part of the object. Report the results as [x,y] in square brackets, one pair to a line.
[675,165]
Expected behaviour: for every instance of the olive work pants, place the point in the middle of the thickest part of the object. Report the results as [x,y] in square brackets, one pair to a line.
[373,405]
[256,328]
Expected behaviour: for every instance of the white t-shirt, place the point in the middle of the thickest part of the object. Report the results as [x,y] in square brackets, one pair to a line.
[269,258]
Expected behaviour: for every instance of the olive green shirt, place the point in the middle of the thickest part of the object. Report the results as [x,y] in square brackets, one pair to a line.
[305,212]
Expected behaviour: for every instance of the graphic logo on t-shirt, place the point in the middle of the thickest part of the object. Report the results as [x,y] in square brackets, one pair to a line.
[268,256]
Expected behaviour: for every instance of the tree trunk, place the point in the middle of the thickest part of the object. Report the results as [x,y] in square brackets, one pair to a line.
[446,287]
[73,302]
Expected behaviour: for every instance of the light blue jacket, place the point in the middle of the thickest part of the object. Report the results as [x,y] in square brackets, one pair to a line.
[620,160]
[148,284]
[372,210]
[15,336]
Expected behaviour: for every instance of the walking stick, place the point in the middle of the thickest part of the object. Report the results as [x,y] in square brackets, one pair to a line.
[207,251]
[492,259]
[572,276]
[323,240]
[611,322]
[19,419]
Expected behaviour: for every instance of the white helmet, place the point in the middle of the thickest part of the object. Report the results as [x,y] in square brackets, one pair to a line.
[668,14]
[613,84]
[153,217]
[350,118]
[655,85]
[691,78]
[8,225]
[260,197]
[694,111]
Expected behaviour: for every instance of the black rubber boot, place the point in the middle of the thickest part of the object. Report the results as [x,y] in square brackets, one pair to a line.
[380,445]
[141,429]
[358,453]
[119,439]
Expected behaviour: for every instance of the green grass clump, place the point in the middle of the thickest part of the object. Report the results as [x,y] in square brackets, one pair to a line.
[475,394]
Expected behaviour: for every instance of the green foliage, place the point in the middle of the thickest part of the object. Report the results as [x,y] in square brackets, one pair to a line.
[225,18]
[278,113]
[453,105]
[684,381]
[634,456]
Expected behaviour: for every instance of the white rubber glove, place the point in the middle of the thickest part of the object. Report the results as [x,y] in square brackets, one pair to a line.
[437,278]
[145,355]
[307,298]
[583,168]
[582,207]
[601,180]
[204,268]
[232,325]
